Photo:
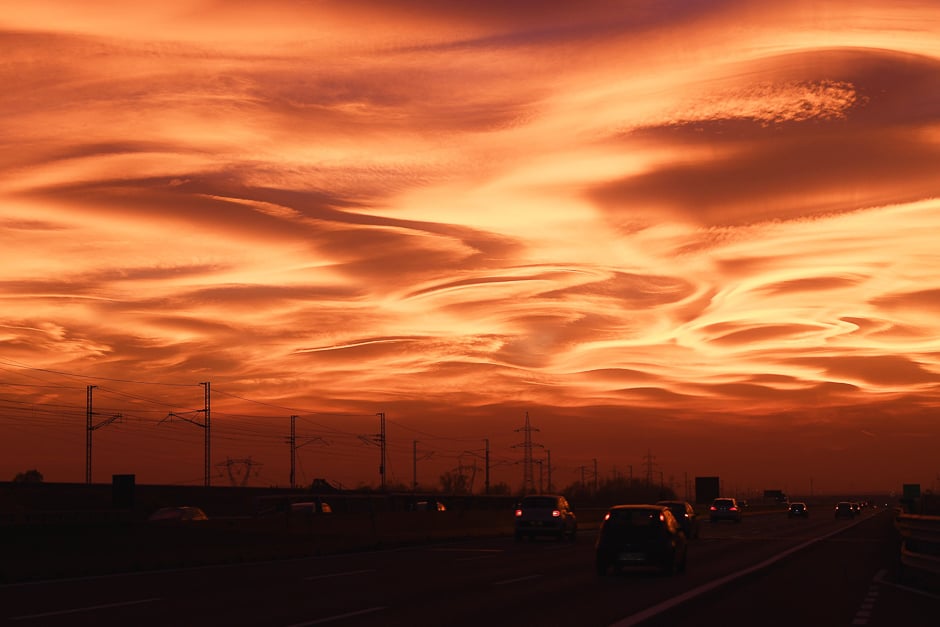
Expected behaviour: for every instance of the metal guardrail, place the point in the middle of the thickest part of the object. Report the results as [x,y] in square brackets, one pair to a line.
[920,542]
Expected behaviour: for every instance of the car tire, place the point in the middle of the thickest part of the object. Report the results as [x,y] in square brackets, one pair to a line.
[669,568]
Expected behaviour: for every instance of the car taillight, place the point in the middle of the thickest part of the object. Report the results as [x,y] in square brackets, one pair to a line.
[713,508]
[607,516]
[556,513]
[734,509]
[518,513]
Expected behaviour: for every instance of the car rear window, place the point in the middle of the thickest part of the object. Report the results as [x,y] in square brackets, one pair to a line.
[539,502]
[634,517]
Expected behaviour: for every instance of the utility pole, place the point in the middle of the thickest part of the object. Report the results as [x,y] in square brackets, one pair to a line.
[649,468]
[380,440]
[293,451]
[528,484]
[595,475]
[486,476]
[292,441]
[548,459]
[204,425]
[382,444]
[90,428]
[414,465]
[208,440]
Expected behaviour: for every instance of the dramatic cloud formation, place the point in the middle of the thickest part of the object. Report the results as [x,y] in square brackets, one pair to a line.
[704,232]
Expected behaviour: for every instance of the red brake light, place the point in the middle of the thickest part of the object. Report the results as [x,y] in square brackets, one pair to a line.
[607,516]
[734,509]
[518,513]
[556,513]
[712,508]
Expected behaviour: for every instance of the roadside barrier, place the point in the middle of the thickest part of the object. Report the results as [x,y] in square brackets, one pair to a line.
[920,542]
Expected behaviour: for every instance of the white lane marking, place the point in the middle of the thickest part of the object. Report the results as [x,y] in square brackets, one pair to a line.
[330,619]
[474,558]
[879,578]
[90,608]
[516,580]
[468,550]
[345,574]
[659,608]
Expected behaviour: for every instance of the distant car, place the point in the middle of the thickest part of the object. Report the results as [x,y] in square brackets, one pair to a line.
[844,509]
[430,506]
[724,508]
[183,513]
[545,515]
[856,507]
[310,507]
[640,537]
[797,510]
[685,514]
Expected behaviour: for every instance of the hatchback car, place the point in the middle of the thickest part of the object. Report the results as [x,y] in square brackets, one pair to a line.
[685,514]
[640,537]
[797,510]
[725,508]
[545,515]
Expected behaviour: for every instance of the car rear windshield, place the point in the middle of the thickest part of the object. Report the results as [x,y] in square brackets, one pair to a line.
[539,502]
[635,517]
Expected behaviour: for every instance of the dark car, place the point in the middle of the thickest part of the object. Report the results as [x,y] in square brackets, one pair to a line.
[844,509]
[430,506]
[310,508]
[640,537]
[724,508]
[685,514]
[545,515]
[797,510]
[183,513]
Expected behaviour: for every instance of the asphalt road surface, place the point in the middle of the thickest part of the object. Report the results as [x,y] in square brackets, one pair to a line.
[768,570]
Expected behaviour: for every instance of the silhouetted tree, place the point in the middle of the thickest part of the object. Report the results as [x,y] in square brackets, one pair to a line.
[454,483]
[617,490]
[500,489]
[30,476]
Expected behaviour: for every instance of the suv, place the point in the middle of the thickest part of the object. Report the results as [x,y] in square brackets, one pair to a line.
[844,509]
[545,515]
[640,536]
[725,508]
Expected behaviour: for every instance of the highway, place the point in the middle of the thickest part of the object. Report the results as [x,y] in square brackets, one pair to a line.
[767,570]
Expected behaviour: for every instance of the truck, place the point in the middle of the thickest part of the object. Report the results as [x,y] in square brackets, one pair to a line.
[707,489]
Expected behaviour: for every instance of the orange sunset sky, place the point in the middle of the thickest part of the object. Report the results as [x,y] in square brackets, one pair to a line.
[706,231]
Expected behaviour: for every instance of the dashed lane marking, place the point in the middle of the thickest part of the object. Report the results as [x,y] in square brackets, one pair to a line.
[90,608]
